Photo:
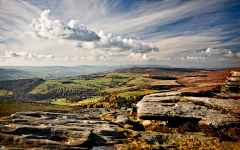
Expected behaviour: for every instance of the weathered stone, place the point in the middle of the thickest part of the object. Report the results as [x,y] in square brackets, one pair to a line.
[232,84]
[58,131]
[227,104]
[158,108]
[123,119]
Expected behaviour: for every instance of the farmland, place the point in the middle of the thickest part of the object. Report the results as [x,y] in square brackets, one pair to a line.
[125,83]
[110,82]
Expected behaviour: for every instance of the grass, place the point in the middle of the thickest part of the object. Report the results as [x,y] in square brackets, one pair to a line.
[42,88]
[9,107]
[2,92]
[60,101]
[95,99]
[138,81]
[135,93]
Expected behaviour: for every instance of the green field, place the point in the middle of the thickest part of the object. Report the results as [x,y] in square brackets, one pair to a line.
[111,82]
[135,93]
[2,92]
[61,101]
[139,80]
[95,99]
[9,107]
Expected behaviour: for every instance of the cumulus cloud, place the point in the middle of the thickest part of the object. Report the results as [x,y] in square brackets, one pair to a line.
[192,58]
[140,57]
[77,35]
[137,46]
[224,52]
[50,28]
[26,55]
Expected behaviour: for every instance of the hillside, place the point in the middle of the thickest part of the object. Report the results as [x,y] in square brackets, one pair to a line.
[53,72]
[10,74]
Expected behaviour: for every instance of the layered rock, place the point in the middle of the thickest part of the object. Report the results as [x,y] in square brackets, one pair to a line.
[163,107]
[232,84]
[58,131]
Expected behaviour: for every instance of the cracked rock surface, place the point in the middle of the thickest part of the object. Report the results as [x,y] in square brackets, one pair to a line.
[58,131]
[159,106]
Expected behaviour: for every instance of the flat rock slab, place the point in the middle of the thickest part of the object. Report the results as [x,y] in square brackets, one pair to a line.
[156,106]
[58,131]
[227,104]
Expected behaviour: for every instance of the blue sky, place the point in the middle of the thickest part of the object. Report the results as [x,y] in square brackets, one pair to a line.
[178,33]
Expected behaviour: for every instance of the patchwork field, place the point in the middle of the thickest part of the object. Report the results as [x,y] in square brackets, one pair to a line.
[110,82]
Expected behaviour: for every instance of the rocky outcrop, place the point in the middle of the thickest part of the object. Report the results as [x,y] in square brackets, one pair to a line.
[58,131]
[164,106]
[232,84]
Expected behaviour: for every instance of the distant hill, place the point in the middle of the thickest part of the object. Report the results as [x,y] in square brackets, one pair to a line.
[55,72]
[51,72]
[10,74]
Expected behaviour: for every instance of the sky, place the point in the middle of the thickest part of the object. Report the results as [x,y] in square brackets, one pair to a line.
[177,33]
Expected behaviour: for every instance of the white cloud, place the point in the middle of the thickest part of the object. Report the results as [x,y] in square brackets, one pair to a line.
[137,46]
[77,35]
[192,58]
[139,57]
[224,52]
[47,27]
[26,55]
